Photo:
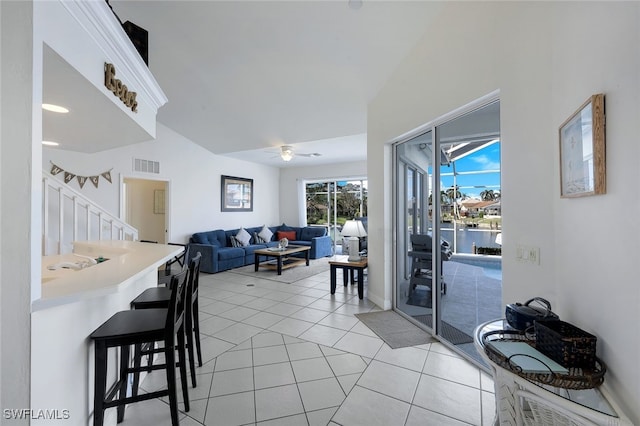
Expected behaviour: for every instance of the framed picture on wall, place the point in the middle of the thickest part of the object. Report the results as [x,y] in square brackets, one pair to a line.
[582,150]
[236,194]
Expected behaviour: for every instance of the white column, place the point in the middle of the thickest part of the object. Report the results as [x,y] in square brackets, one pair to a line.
[20,218]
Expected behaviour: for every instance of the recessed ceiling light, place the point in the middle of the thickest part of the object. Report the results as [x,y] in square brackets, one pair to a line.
[55,108]
[50,143]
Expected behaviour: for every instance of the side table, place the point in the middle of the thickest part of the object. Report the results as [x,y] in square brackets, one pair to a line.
[348,268]
[520,401]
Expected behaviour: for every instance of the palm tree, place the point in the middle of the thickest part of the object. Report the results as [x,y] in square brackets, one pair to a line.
[444,198]
[488,195]
[454,194]
[444,201]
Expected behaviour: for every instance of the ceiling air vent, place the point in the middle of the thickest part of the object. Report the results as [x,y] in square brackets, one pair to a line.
[146,166]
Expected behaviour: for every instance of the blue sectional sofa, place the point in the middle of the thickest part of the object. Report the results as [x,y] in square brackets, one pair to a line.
[219,253]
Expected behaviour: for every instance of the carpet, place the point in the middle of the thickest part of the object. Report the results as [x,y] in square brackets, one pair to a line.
[291,275]
[448,332]
[395,330]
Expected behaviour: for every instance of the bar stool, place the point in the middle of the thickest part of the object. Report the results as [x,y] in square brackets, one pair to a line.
[164,275]
[158,297]
[173,266]
[137,327]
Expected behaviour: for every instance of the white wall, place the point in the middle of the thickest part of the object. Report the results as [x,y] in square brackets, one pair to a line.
[19,239]
[545,59]
[289,178]
[194,182]
[595,50]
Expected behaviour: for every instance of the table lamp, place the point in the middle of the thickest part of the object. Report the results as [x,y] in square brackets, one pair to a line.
[354,230]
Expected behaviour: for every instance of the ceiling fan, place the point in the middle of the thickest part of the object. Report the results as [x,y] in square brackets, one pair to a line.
[287,154]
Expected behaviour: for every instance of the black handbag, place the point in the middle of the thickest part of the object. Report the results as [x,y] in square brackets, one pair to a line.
[521,316]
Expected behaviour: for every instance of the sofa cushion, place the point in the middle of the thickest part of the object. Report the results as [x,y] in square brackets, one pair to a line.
[248,250]
[200,238]
[209,237]
[218,239]
[289,235]
[309,232]
[243,237]
[230,253]
[265,234]
[285,227]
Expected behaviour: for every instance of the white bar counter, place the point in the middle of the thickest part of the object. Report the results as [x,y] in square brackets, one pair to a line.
[73,304]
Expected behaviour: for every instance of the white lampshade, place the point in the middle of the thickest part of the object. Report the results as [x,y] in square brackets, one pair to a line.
[353,228]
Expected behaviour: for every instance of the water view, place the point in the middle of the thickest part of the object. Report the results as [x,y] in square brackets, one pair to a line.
[465,238]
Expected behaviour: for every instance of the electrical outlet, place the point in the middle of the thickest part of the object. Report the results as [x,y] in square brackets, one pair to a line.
[534,255]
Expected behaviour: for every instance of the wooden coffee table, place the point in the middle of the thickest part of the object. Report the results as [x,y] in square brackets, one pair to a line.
[281,260]
[347,269]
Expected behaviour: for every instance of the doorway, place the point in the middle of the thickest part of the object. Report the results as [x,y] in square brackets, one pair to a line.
[448,224]
[145,205]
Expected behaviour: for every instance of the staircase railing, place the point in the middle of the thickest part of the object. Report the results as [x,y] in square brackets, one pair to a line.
[69,216]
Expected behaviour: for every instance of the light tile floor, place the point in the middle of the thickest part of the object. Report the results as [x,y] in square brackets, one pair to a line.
[293,354]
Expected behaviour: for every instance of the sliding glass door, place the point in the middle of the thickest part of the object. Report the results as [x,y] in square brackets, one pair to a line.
[330,203]
[448,225]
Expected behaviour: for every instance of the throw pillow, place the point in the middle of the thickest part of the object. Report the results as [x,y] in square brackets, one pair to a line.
[289,235]
[243,237]
[258,239]
[234,242]
[265,234]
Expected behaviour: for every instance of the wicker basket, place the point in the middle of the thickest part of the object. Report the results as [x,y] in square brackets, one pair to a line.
[566,343]
[576,378]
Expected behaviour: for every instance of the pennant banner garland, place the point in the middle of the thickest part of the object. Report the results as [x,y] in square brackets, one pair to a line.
[82,180]
[68,176]
[55,169]
[106,175]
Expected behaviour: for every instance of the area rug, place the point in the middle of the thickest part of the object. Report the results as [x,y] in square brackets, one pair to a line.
[395,330]
[448,332]
[291,275]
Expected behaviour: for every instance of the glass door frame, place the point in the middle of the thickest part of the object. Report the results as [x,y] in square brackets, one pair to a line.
[433,185]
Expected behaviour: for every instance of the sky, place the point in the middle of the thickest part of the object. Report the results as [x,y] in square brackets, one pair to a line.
[472,185]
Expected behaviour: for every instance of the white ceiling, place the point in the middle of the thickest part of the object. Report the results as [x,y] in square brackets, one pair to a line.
[246,77]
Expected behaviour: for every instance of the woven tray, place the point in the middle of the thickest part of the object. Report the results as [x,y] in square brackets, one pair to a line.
[576,378]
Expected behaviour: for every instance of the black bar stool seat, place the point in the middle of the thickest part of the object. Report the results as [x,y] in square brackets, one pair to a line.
[127,327]
[155,297]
